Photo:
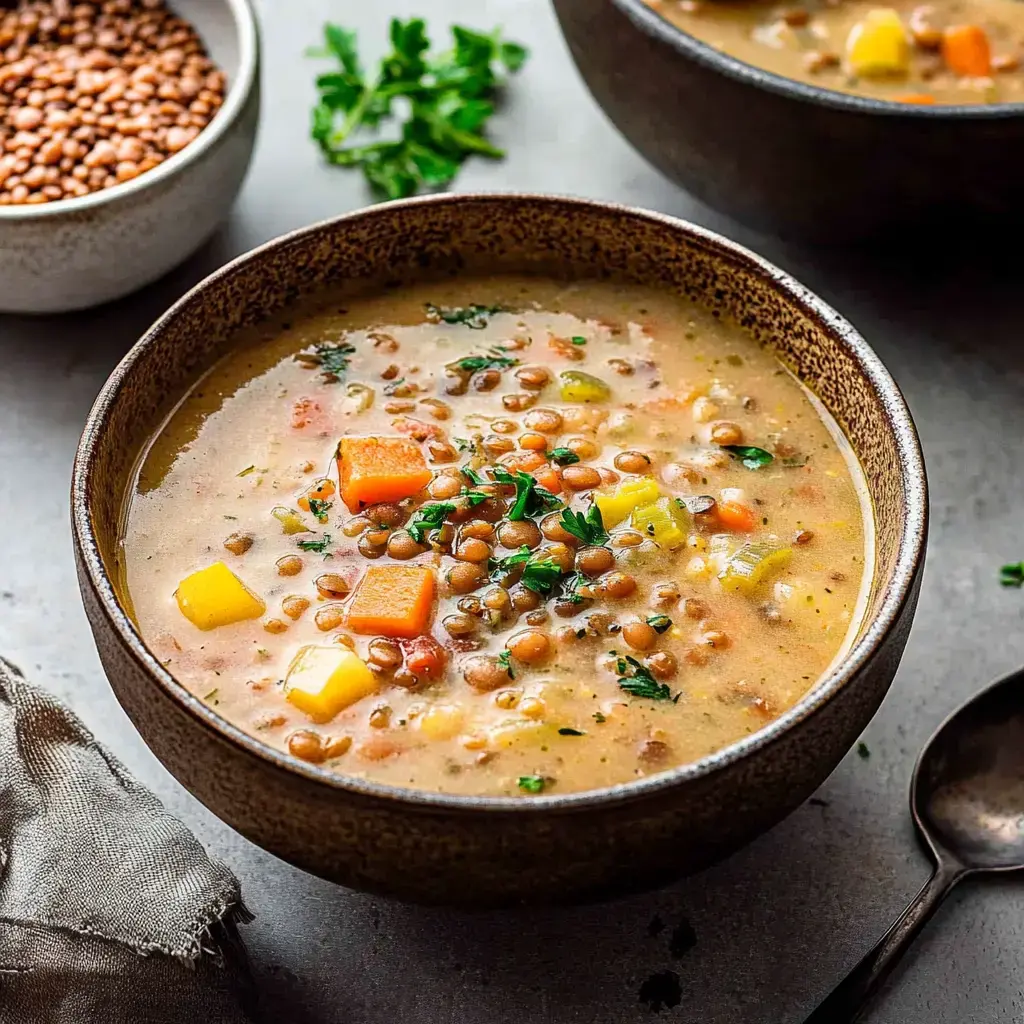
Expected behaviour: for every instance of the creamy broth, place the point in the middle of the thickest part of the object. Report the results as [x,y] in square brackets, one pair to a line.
[724,574]
[950,52]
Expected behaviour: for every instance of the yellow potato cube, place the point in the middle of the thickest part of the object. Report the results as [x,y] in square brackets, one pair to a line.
[215,596]
[323,681]
[619,504]
[442,721]
[515,733]
[664,521]
[878,45]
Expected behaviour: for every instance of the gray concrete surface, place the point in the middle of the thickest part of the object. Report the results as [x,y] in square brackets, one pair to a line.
[760,938]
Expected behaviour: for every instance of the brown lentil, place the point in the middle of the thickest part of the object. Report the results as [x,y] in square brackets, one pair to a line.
[547,421]
[78,70]
[639,636]
[239,543]
[289,565]
[483,673]
[306,745]
[294,606]
[331,616]
[403,547]
[384,653]
[594,561]
[662,664]
[581,478]
[530,646]
[632,462]
[332,585]
[514,535]
[465,577]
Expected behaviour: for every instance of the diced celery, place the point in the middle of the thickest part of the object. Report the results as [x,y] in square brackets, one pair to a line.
[752,565]
[665,521]
[578,386]
[290,520]
[619,504]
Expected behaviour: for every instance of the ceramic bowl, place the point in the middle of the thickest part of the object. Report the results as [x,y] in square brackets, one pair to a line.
[489,851]
[76,253]
[795,160]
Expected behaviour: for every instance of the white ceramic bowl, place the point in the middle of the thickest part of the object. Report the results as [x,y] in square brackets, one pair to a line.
[77,253]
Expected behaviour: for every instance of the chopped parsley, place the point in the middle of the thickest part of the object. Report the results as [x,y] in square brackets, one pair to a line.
[332,358]
[659,623]
[566,731]
[502,566]
[587,527]
[636,680]
[319,546]
[505,662]
[532,783]
[1012,575]
[563,456]
[531,498]
[541,575]
[470,364]
[429,518]
[212,695]
[571,587]
[862,750]
[473,476]
[474,497]
[473,316]
[599,717]
[578,339]
[751,457]
[462,444]
[247,471]
[319,508]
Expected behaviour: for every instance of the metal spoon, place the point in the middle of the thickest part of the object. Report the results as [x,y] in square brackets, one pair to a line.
[967,799]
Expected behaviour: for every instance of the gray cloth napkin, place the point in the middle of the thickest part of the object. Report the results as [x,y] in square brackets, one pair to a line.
[110,910]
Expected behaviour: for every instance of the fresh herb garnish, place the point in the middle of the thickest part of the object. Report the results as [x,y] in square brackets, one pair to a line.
[532,783]
[212,694]
[636,680]
[531,498]
[541,575]
[500,567]
[751,457]
[563,456]
[319,546]
[505,662]
[659,623]
[473,316]
[247,471]
[331,358]
[1012,575]
[587,527]
[448,96]
[862,750]
[319,508]
[462,444]
[470,364]
[473,476]
[429,518]
[599,717]
[474,497]
[571,588]
[566,731]
[578,340]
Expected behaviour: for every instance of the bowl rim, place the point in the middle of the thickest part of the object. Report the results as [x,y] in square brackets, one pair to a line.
[652,23]
[907,564]
[239,91]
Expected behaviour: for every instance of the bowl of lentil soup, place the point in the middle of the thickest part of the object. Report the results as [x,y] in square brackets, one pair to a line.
[475,531]
[126,129]
[818,121]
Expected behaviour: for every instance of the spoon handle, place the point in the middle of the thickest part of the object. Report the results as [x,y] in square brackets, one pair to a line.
[850,997]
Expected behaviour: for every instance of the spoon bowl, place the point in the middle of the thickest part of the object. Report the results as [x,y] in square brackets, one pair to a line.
[968,790]
[967,799]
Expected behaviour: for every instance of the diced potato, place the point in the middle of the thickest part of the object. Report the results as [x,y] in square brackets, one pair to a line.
[323,681]
[878,45]
[290,520]
[665,522]
[631,494]
[517,733]
[578,386]
[752,565]
[815,606]
[441,722]
[215,596]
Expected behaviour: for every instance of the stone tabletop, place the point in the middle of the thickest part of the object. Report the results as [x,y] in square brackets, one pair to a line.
[757,940]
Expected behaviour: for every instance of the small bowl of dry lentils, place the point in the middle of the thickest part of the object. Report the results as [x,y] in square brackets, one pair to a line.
[126,129]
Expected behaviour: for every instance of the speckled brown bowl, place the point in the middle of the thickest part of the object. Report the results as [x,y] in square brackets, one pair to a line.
[500,851]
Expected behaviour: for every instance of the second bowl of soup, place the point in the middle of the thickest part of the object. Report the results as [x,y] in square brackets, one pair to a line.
[462,550]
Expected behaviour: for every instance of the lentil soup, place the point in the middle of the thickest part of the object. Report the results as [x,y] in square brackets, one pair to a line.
[950,52]
[500,537]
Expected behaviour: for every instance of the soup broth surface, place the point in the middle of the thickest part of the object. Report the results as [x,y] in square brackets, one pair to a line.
[950,52]
[615,535]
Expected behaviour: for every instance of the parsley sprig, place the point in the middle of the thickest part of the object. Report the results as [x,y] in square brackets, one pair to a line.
[471,364]
[1012,575]
[449,97]
[319,508]
[473,316]
[751,456]
[585,526]
[531,498]
[540,574]
[319,545]
[636,680]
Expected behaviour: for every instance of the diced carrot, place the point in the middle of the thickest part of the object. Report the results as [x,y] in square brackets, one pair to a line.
[549,478]
[393,600]
[921,98]
[734,516]
[304,412]
[424,657]
[320,491]
[966,51]
[374,469]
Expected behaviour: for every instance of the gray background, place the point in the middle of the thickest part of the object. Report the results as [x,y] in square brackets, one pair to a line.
[778,924]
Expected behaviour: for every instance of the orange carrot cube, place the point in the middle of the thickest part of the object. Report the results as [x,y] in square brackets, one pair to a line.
[374,469]
[393,600]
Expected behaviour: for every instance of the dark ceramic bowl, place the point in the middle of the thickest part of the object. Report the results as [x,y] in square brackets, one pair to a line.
[800,161]
[494,850]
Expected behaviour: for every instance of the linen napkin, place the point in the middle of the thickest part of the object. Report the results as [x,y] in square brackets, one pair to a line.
[110,910]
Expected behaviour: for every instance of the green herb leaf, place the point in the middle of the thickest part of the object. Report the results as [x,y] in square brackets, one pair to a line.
[587,527]
[462,444]
[566,731]
[473,316]
[636,680]
[531,498]
[319,546]
[212,694]
[474,477]
[1012,575]
[862,750]
[500,567]
[319,508]
[659,623]
[563,456]
[247,471]
[471,364]
[599,717]
[571,587]
[578,340]
[541,575]
[474,497]
[429,518]
[505,662]
[331,358]
[532,783]
[751,457]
